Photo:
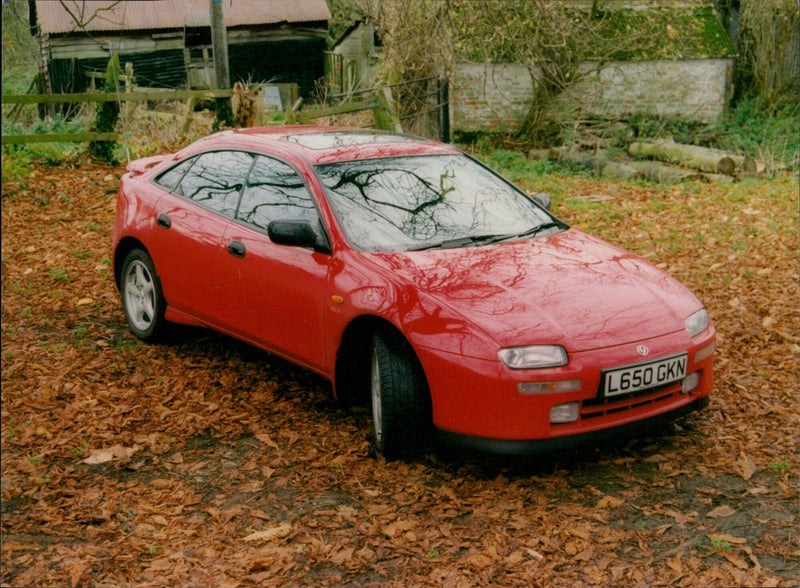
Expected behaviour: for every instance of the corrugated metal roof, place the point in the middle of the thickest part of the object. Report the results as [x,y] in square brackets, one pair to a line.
[96,15]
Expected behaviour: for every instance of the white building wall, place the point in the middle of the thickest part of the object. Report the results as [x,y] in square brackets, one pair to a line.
[496,97]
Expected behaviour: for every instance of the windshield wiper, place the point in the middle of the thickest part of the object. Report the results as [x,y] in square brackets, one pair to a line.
[460,242]
[534,231]
[488,239]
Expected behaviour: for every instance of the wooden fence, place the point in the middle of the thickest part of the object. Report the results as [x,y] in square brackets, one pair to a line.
[136,96]
[378,100]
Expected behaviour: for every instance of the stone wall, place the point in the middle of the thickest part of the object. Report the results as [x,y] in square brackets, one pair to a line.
[495,97]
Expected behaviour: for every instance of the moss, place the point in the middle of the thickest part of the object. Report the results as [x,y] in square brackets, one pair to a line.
[107,115]
[633,35]
[666,33]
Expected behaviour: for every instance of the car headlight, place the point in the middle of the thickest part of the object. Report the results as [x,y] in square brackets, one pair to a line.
[533,356]
[697,322]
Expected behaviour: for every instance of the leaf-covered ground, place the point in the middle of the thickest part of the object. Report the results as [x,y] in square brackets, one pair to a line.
[205,462]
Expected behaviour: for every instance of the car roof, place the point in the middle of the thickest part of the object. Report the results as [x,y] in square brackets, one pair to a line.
[319,145]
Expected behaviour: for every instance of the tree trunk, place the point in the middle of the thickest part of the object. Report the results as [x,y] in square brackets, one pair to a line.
[699,158]
[665,174]
[599,164]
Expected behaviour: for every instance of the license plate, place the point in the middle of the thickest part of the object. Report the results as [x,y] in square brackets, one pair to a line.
[642,376]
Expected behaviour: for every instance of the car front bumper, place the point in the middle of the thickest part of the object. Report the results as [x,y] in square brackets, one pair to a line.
[480,399]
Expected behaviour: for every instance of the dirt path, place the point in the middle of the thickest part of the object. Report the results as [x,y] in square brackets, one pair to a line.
[205,462]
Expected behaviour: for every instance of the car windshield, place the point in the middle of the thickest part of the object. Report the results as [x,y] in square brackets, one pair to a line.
[427,202]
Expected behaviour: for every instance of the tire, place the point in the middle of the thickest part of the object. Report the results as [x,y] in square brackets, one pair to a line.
[142,298]
[401,405]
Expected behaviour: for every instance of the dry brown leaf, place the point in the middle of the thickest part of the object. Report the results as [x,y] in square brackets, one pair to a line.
[728,538]
[264,438]
[721,512]
[110,454]
[279,532]
[610,502]
[535,554]
[745,466]
[675,563]
[735,559]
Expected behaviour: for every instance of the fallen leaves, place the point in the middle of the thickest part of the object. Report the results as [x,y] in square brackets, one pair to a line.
[205,462]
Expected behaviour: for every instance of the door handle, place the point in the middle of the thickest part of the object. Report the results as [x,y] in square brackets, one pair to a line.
[236,248]
[163,220]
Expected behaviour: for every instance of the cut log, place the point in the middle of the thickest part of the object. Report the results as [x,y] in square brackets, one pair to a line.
[719,178]
[616,169]
[744,163]
[599,164]
[699,158]
[666,174]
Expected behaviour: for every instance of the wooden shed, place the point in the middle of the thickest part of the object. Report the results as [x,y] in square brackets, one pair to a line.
[168,42]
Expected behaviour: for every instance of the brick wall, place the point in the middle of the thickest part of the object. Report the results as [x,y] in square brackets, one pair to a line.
[495,97]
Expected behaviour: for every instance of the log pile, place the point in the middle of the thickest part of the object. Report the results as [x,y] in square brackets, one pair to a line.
[702,159]
[660,160]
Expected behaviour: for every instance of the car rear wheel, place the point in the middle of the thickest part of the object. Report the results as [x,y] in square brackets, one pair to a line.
[142,299]
[401,412]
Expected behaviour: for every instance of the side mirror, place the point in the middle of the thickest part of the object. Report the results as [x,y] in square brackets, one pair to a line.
[295,233]
[543,200]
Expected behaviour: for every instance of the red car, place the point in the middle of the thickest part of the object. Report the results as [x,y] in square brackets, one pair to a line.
[404,270]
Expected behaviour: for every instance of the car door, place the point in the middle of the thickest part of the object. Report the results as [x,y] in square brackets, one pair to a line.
[275,293]
[191,223]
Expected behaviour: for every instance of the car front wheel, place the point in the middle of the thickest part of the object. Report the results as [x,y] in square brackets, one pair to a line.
[142,298]
[401,412]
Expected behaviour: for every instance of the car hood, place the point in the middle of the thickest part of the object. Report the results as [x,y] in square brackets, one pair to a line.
[569,289]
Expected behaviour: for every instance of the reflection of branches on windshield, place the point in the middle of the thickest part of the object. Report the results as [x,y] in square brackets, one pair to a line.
[413,201]
[401,184]
[355,179]
[448,174]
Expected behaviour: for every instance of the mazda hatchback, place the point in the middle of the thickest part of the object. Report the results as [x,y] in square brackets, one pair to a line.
[413,276]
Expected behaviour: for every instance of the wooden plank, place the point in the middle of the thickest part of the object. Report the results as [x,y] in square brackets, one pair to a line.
[340,109]
[114,97]
[60,137]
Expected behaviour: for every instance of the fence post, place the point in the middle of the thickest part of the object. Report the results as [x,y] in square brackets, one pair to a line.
[107,114]
[444,108]
[386,117]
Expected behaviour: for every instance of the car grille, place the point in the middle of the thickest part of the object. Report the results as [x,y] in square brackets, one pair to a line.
[599,406]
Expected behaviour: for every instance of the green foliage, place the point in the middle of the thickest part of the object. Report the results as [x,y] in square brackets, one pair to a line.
[18,159]
[18,43]
[767,64]
[719,545]
[58,274]
[655,33]
[780,466]
[343,14]
[768,134]
[18,79]
[516,167]
[107,114]
[50,153]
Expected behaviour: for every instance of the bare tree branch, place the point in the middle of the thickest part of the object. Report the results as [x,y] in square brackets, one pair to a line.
[79,14]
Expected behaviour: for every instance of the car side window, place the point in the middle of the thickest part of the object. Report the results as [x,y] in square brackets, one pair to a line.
[170,179]
[275,191]
[216,180]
